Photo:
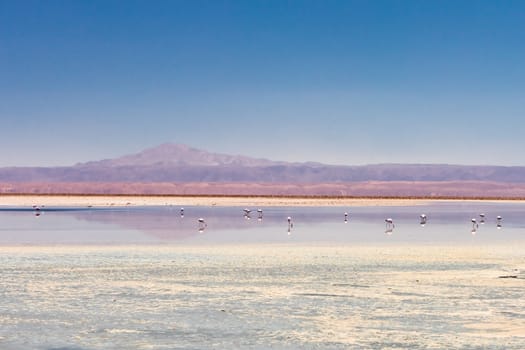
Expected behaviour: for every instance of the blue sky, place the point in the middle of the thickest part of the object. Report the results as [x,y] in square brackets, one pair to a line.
[342,82]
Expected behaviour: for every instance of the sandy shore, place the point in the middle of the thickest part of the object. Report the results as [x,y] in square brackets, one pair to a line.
[125,200]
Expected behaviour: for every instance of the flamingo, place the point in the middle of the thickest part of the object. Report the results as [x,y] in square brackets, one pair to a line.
[482,218]
[202,224]
[389,223]
[422,219]
[474,225]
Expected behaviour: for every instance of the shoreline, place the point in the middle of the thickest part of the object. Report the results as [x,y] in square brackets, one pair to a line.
[75,200]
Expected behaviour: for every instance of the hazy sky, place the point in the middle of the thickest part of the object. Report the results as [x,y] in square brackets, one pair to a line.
[343,82]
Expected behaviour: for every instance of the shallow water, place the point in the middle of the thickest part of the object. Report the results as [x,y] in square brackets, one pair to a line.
[145,278]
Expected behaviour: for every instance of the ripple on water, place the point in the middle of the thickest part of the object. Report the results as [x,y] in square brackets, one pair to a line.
[281,297]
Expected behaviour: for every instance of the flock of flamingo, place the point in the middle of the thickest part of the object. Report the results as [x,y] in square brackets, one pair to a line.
[475,224]
[389,222]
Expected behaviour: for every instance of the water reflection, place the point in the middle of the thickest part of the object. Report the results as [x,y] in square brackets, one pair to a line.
[224,224]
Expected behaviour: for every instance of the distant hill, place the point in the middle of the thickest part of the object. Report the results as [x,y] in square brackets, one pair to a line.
[182,170]
[177,155]
[180,163]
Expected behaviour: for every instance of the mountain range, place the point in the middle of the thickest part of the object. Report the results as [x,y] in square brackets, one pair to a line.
[176,163]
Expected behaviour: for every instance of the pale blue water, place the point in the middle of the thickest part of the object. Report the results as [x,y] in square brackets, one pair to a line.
[145,278]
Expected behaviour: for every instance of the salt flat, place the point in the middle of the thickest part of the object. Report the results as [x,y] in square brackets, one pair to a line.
[139,200]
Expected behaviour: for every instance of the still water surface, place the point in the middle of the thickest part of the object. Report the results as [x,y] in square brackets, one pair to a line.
[147,278]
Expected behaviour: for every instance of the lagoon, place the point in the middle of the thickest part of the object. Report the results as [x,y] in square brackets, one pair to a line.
[147,278]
